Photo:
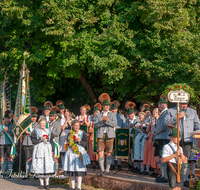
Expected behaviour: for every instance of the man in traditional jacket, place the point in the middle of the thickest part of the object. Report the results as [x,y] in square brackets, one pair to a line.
[106,122]
[161,136]
[120,124]
[55,128]
[47,108]
[27,142]
[6,144]
[188,122]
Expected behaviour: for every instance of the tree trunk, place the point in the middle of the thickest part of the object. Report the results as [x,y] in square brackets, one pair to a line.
[88,87]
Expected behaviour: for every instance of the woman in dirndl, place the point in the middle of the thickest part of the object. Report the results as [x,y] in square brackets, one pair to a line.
[66,127]
[43,164]
[140,141]
[76,158]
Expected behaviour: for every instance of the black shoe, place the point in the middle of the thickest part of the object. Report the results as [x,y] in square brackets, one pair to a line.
[145,173]
[153,175]
[140,172]
[191,176]
[112,167]
[71,188]
[129,166]
[41,187]
[186,183]
[93,167]
[119,167]
[151,169]
[162,180]
[100,173]
[105,173]
[25,177]
[47,187]
[135,170]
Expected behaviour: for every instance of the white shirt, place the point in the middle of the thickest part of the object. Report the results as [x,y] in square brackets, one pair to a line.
[47,118]
[164,110]
[62,120]
[167,151]
[105,114]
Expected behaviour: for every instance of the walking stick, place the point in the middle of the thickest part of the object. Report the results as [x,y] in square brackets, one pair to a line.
[178,165]
[20,153]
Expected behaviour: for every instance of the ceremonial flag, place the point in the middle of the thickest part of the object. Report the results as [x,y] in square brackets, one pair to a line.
[22,115]
[2,100]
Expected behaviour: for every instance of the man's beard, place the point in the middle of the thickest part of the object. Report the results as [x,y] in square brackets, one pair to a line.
[7,123]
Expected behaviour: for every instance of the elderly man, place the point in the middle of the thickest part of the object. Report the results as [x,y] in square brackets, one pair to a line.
[188,123]
[161,133]
[106,122]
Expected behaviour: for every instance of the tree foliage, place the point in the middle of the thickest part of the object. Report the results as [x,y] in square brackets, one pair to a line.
[129,49]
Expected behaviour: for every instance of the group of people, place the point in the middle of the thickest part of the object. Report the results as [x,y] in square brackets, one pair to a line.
[58,139]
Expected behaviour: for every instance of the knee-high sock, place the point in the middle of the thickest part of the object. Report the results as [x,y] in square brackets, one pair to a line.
[113,159]
[79,180]
[108,163]
[147,168]
[6,163]
[41,181]
[101,163]
[142,166]
[129,160]
[57,166]
[10,166]
[164,170]
[160,166]
[193,164]
[46,181]
[185,173]
[27,168]
[3,167]
[72,178]
[119,162]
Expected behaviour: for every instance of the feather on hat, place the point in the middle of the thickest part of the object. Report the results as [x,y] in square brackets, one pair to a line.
[117,103]
[98,105]
[104,96]
[130,105]
[55,108]
[34,109]
[48,103]
[87,107]
[59,102]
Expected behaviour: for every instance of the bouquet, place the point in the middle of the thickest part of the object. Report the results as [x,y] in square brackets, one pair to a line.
[72,144]
[45,141]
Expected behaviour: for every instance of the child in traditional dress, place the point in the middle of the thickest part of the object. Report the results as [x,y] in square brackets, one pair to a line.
[76,158]
[169,155]
[43,163]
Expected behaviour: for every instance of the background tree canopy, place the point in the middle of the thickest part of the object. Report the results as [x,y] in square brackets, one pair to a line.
[80,48]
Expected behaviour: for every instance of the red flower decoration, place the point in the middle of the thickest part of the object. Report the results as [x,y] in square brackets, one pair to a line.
[45,136]
[184,86]
[191,89]
[74,148]
[177,87]
[74,137]
[169,90]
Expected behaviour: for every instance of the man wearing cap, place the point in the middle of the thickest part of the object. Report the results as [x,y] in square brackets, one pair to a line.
[27,142]
[161,138]
[55,128]
[188,123]
[105,122]
[131,122]
[47,108]
[169,156]
[6,144]
[61,106]
[120,124]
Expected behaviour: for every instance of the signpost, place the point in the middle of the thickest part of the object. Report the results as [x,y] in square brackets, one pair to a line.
[178,96]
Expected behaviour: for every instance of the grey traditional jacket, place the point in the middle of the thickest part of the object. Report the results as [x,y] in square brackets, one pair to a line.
[109,125]
[161,130]
[3,139]
[55,128]
[27,138]
[187,124]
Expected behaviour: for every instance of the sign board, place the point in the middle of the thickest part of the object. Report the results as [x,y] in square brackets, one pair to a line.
[179,96]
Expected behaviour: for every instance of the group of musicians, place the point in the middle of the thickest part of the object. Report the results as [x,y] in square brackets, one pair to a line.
[148,127]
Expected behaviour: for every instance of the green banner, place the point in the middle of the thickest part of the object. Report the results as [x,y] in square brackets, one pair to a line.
[84,128]
[22,117]
[95,139]
[122,143]
[1,101]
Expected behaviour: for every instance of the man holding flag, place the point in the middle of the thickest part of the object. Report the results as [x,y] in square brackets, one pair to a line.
[7,145]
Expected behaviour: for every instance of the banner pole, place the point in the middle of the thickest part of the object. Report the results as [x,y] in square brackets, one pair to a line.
[178,166]
[20,153]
